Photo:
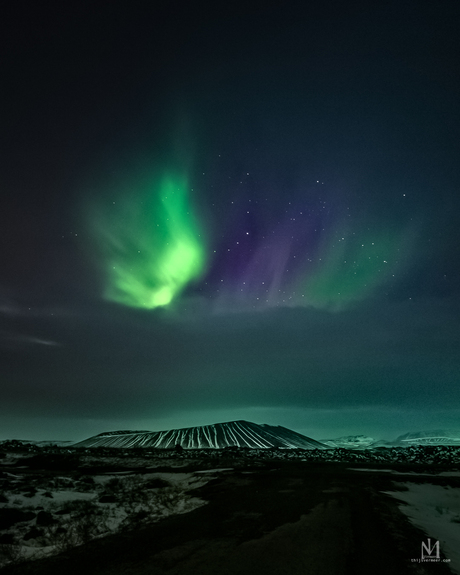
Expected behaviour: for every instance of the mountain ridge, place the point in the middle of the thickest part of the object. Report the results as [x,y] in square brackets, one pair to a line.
[350,441]
[238,433]
[432,437]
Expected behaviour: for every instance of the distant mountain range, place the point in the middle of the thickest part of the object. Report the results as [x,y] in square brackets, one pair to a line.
[215,436]
[247,435]
[350,442]
[435,437]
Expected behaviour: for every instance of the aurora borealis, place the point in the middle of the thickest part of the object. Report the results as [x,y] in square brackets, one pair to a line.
[149,242]
[231,213]
[153,248]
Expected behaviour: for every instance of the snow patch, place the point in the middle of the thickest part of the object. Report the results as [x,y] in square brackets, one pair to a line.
[436,510]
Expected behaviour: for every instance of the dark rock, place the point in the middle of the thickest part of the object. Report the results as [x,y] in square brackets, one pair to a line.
[6,539]
[107,499]
[10,516]
[33,534]
[88,480]
[30,492]
[155,483]
[44,518]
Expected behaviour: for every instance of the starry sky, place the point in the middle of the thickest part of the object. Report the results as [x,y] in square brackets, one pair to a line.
[211,214]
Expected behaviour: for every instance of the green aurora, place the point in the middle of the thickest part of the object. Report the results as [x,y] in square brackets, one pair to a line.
[354,266]
[150,242]
[151,247]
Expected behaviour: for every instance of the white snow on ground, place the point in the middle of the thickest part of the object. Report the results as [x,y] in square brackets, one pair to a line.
[182,480]
[19,500]
[436,510]
[376,470]
[99,518]
[215,470]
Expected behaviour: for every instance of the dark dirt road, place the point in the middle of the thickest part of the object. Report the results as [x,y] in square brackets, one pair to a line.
[288,518]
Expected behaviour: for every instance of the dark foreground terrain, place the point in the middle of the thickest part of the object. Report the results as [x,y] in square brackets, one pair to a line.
[261,516]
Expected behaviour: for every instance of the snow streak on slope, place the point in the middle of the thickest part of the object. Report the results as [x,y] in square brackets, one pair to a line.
[216,436]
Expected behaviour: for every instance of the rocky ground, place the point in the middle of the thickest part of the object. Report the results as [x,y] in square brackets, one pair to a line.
[54,499]
[228,511]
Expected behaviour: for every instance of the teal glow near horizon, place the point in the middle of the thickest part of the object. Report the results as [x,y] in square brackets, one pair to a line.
[150,243]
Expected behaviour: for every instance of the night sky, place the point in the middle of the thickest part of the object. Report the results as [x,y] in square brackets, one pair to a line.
[230,213]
